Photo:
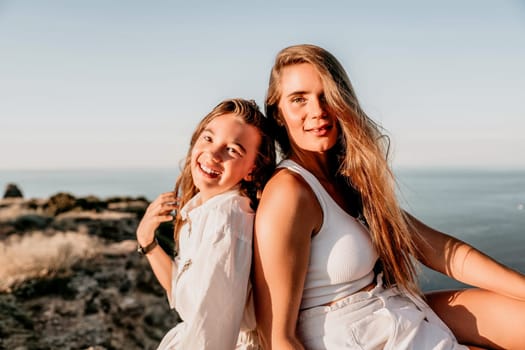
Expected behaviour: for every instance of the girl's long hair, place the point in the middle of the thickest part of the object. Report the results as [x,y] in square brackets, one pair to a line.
[361,152]
[185,188]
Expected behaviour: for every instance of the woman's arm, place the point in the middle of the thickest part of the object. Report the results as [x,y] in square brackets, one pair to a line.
[156,213]
[287,216]
[464,263]
[491,317]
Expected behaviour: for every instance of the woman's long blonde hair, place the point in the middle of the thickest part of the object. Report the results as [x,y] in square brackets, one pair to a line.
[361,151]
[264,162]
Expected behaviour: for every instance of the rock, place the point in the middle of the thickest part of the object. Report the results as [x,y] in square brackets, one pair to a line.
[88,309]
[136,206]
[12,191]
[31,222]
[59,203]
[10,311]
[91,203]
[111,229]
[110,300]
[58,286]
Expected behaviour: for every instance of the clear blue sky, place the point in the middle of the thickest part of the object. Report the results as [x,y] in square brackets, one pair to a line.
[122,84]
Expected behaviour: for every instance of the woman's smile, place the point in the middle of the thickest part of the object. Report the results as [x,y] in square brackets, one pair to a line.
[322,130]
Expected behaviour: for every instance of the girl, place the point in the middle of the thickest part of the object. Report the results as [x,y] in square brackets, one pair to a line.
[333,258]
[230,158]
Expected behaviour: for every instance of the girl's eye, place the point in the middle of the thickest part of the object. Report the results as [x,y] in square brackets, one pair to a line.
[206,138]
[233,151]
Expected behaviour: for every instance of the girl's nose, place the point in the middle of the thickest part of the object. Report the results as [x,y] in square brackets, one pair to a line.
[215,153]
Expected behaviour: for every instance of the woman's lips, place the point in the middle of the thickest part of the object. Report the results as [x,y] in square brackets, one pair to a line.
[321,130]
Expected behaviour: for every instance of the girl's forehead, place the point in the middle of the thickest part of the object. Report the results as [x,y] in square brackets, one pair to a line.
[227,118]
[232,125]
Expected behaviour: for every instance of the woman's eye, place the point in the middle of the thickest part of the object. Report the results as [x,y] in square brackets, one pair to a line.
[206,138]
[298,99]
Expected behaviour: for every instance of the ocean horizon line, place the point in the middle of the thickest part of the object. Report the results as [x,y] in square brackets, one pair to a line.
[395,168]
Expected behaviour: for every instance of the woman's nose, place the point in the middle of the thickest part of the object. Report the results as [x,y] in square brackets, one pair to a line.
[317,108]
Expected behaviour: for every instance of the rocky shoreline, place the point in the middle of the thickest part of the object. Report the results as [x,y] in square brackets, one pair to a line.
[70,277]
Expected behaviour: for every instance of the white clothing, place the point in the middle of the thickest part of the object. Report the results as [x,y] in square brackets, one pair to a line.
[378,319]
[369,320]
[342,256]
[210,288]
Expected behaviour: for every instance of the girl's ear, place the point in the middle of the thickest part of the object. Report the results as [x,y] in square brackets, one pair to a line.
[249,177]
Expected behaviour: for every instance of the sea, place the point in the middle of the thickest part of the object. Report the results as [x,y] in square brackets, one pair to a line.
[485,208]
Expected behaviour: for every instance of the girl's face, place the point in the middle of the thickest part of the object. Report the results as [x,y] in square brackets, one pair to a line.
[303,107]
[224,154]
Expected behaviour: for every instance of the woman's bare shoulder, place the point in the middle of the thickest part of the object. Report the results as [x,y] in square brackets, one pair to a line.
[289,184]
[288,197]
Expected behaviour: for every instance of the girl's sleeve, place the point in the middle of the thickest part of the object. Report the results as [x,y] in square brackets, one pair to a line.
[174,273]
[220,274]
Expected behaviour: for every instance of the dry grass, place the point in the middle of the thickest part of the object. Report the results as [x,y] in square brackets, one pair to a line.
[12,208]
[38,255]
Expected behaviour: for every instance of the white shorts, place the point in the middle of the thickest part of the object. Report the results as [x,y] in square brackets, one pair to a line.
[377,319]
[247,340]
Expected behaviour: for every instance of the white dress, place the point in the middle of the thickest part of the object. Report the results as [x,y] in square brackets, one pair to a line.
[211,288]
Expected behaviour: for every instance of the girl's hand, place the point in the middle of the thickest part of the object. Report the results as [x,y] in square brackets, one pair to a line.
[157,212]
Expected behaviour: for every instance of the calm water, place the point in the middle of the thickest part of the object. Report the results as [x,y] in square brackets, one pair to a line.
[486,209]
[102,183]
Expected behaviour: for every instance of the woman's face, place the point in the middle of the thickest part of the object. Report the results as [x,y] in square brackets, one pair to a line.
[303,106]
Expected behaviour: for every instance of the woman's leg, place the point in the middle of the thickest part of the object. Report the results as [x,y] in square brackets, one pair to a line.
[481,318]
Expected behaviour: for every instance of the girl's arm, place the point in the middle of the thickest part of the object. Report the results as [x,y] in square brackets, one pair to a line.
[216,281]
[287,216]
[156,213]
[464,263]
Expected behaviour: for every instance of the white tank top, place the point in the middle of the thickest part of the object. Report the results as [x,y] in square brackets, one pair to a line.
[342,256]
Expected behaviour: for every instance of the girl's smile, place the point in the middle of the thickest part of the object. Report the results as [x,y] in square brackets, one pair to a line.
[224,154]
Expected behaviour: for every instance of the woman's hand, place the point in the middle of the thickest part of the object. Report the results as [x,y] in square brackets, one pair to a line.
[157,212]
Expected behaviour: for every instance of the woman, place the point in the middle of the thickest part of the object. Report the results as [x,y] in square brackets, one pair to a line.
[332,256]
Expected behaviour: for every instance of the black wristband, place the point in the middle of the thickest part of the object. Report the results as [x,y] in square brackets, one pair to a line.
[145,250]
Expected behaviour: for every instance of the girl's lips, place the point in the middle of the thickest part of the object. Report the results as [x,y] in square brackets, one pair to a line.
[209,171]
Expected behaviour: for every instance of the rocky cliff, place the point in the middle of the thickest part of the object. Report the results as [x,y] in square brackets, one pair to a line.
[70,277]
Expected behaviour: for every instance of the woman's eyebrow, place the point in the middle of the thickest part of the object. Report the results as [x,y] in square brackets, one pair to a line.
[299,92]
